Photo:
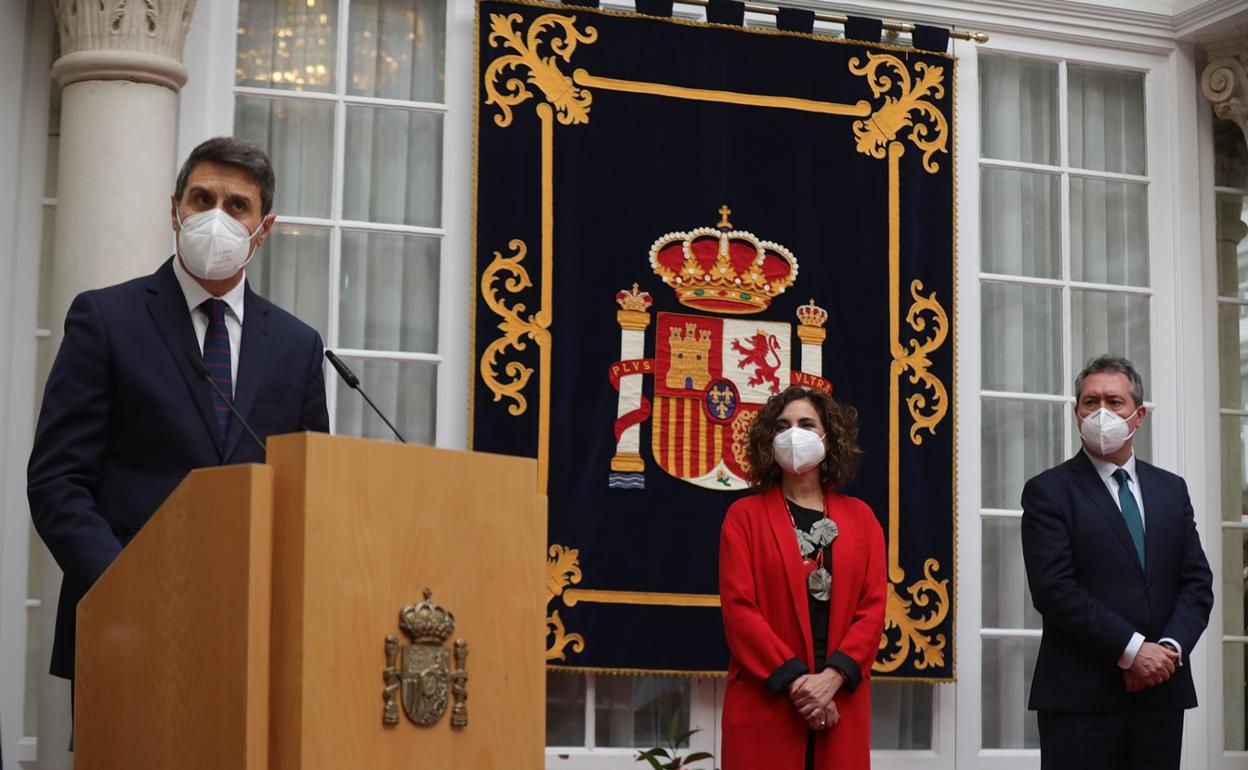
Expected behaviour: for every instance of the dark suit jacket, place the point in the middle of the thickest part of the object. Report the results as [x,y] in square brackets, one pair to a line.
[125,418]
[1087,583]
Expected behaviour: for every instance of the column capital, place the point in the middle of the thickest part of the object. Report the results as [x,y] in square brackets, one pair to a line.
[139,40]
[1225,78]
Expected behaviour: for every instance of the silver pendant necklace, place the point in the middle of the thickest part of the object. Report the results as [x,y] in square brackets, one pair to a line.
[811,545]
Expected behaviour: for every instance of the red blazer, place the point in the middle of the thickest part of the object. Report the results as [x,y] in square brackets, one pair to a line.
[762,590]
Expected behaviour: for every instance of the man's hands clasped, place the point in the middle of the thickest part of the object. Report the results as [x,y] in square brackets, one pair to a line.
[813,695]
[1153,665]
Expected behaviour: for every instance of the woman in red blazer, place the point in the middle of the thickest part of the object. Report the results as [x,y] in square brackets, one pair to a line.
[802,585]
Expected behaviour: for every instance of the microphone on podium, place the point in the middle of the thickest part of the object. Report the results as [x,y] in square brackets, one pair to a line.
[353,382]
[201,370]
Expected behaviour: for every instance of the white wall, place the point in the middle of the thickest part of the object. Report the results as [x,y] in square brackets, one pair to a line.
[22,130]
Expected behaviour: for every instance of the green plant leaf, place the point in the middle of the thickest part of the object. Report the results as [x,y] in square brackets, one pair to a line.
[653,762]
[698,756]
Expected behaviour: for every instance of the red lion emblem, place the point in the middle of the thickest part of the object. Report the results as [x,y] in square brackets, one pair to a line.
[761,350]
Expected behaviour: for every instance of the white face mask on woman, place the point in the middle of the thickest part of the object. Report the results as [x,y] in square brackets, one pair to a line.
[1105,431]
[214,245]
[798,450]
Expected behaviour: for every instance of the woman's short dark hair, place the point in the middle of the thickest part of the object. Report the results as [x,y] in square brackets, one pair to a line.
[232,151]
[843,457]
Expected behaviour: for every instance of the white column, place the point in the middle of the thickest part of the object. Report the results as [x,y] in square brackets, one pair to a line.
[121,70]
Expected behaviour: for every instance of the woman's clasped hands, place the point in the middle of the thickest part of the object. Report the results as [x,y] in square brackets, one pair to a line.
[813,695]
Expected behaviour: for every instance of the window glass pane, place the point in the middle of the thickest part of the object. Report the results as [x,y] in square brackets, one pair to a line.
[1020,220]
[565,708]
[1021,338]
[1105,322]
[1020,439]
[299,139]
[1106,114]
[1235,696]
[1233,594]
[1007,602]
[398,49]
[291,269]
[1007,669]
[1108,232]
[635,711]
[1018,109]
[1233,354]
[389,292]
[1232,243]
[405,391]
[287,44]
[393,168]
[901,715]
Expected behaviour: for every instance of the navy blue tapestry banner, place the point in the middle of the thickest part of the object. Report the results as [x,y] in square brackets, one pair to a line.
[674,221]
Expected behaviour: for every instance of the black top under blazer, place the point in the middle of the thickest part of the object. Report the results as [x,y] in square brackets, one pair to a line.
[1087,583]
[125,418]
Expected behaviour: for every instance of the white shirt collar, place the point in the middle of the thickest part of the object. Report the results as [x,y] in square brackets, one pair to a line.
[196,294]
[1106,469]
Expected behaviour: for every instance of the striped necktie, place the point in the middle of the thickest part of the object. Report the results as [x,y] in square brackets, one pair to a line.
[217,359]
[1131,512]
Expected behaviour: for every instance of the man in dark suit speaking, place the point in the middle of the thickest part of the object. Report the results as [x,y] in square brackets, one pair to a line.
[126,410]
[1117,572]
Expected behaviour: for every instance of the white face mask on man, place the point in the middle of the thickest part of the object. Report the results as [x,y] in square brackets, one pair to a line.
[798,450]
[214,245]
[1105,431]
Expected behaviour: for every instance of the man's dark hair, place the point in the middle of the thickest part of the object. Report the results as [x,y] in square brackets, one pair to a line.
[233,151]
[840,421]
[1108,362]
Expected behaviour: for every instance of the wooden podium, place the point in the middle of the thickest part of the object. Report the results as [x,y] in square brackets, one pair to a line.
[245,626]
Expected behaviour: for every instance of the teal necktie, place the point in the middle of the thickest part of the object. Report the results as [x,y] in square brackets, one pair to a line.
[1131,512]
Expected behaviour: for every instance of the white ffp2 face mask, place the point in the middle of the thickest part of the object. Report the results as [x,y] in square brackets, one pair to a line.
[214,245]
[1105,431]
[798,450]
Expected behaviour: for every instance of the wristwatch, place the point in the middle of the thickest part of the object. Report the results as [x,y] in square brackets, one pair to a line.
[1172,647]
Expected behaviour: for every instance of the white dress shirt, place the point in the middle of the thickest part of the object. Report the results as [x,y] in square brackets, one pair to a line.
[196,295]
[1106,471]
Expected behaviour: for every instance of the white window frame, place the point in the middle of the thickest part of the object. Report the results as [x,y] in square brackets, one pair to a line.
[207,109]
[705,702]
[1219,530]
[26,38]
[1174,346]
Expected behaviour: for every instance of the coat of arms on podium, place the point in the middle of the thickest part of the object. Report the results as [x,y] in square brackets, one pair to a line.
[421,672]
[712,373]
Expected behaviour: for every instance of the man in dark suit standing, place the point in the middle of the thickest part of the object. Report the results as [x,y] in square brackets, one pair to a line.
[126,413]
[1118,574]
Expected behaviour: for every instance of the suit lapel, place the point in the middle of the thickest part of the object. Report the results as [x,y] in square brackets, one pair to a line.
[1150,492]
[166,305]
[253,355]
[1090,481]
[791,558]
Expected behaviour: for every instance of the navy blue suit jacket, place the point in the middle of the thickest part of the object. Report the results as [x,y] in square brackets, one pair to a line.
[125,418]
[1088,585]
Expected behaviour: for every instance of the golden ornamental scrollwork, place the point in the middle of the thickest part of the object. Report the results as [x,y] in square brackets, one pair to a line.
[924,312]
[570,101]
[562,569]
[907,635]
[910,108]
[515,326]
